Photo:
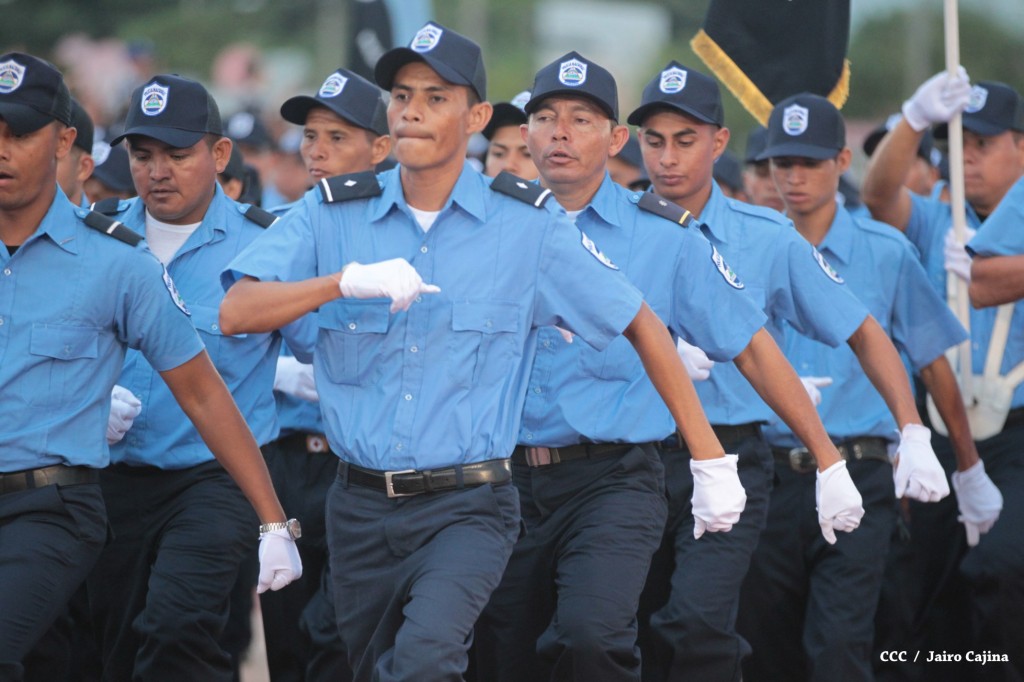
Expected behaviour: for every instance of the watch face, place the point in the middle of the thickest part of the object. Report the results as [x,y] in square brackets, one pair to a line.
[294,528]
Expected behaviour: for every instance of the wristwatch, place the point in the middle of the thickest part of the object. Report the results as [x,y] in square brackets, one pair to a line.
[291,525]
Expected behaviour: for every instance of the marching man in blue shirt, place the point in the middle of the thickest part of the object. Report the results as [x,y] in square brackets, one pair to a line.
[181,527]
[589,475]
[820,599]
[431,282]
[71,301]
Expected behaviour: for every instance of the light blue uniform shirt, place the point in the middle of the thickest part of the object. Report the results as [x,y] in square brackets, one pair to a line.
[578,394]
[71,300]
[1002,234]
[162,435]
[444,382]
[881,268]
[784,276]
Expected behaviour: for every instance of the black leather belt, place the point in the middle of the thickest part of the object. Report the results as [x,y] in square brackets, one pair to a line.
[726,433]
[413,482]
[802,461]
[58,474]
[310,442]
[522,453]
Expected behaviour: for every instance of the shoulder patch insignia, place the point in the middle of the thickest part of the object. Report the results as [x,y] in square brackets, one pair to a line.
[523,190]
[826,268]
[108,206]
[114,228]
[173,291]
[590,246]
[259,216]
[731,278]
[348,187]
[651,202]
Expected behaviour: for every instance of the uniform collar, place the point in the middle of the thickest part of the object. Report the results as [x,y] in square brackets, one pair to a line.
[466,194]
[839,240]
[712,218]
[212,226]
[55,223]
[607,202]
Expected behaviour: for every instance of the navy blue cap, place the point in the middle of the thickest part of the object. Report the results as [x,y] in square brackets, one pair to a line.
[80,121]
[235,170]
[175,110]
[32,93]
[807,126]
[511,113]
[574,75]
[112,168]
[245,127]
[727,171]
[757,141]
[348,95]
[630,152]
[454,57]
[682,89]
[993,108]
[926,148]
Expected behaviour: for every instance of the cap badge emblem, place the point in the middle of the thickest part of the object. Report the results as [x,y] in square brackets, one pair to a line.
[572,73]
[154,99]
[426,39]
[11,75]
[333,86]
[672,80]
[794,119]
[976,102]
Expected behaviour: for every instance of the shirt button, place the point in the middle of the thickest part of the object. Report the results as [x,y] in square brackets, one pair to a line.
[351,325]
[1,321]
[7,271]
[547,344]
[424,249]
[414,349]
[488,324]
[537,390]
[408,396]
[398,447]
[214,327]
[419,299]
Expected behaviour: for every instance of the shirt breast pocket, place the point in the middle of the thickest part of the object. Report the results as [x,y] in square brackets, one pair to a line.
[617,362]
[219,346]
[66,358]
[351,335]
[482,346]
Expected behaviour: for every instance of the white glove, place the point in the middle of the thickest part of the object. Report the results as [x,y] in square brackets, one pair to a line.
[124,408]
[697,363]
[812,384]
[279,561]
[938,99]
[917,473]
[979,501]
[718,496]
[295,379]
[840,506]
[958,261]
[394,279]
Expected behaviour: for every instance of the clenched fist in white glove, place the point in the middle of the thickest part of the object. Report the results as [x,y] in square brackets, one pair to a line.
[394,279]
[979,501]
[124,408]
[697,363]
[917,473]
[938,99]
[718,496]
[840,506]
[812,386]
[279,561]
[295,379]
[957,260]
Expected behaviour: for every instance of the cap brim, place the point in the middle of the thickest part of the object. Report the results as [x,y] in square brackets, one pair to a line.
[296,110]
[505,114]
[798,149]
[536,100]
[175,137]
[640,113]
[393,60]
[23,119]
[872,140]
[975,125]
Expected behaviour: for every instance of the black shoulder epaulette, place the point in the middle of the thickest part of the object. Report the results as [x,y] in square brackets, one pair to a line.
[517,188]
[114,228]
[108,206]
[651,202]
[349,186]
[259,216]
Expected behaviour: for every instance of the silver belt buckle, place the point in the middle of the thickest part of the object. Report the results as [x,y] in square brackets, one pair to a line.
[389,484]
[797,461]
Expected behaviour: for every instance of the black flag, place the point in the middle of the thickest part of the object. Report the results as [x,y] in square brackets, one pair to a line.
[767,50]
[370,35]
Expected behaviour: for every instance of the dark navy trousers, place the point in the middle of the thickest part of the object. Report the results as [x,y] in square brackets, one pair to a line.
[412,574]
[688,610]
[566,607]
